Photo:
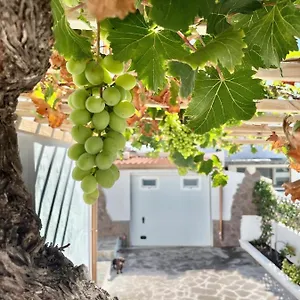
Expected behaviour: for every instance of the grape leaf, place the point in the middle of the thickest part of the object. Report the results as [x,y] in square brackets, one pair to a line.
[226,48]
[219,178]
[174,14]
[273,30]
[174,90]
[216,101]
[186,75]
[216,12]
[180,161]
[206,166]
[67,42]
[149,49]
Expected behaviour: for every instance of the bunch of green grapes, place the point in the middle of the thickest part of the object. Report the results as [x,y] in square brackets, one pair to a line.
[179,137]
[100,106]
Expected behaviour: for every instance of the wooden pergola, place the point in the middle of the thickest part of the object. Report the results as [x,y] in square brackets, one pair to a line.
[253,131]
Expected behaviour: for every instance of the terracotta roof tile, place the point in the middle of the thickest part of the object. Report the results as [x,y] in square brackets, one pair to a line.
[138,162]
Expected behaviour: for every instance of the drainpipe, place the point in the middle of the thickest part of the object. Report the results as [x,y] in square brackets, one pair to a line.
[221,214]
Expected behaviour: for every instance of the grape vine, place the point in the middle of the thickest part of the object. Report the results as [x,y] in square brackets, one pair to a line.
[160,44]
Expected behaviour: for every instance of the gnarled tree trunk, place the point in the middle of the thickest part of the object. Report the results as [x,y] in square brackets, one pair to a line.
[29,269]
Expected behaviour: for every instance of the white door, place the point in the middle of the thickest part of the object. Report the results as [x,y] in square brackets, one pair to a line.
[170,210]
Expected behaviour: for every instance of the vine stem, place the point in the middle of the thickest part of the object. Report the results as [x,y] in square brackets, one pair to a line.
[186,41]
[98,41]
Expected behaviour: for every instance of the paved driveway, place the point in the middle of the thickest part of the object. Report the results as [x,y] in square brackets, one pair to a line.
[191,274]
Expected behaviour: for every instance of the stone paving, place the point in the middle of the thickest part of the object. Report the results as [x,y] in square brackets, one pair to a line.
[192,274]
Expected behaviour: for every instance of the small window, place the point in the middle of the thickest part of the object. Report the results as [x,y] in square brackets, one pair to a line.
[190,183]
[149,183]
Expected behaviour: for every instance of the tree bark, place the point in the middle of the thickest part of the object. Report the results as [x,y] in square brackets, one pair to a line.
[29,268]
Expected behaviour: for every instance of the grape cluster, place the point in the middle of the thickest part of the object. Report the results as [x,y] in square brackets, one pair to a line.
[100,106]
[179,137]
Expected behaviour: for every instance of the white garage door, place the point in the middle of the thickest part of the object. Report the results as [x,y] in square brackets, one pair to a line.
[169,210]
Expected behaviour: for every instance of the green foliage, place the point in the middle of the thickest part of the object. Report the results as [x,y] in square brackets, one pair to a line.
[272,207]
[149,48]
[288,250]
[292,271]
[288,213]
[186,75]
[226,49]
[273,29]
[67,42]
[266,202]
[216,101]
[174,14]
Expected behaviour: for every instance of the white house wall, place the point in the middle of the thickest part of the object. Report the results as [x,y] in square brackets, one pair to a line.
[118,198]
[118,203]
[229,190]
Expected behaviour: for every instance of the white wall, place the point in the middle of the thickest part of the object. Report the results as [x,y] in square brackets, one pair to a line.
[250,230]
[118,198]
[229,190]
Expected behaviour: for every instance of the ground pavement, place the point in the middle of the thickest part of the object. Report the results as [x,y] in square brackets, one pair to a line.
[192,274]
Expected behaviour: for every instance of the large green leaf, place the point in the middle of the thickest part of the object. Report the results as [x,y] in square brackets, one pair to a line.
[216,12]
[272,29]
[180,161]
[148,48]
[216,101]
[67,42]
[174,14]
[186,75]
[226,48]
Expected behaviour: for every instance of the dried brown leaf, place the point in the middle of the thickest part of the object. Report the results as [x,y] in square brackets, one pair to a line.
[102,9]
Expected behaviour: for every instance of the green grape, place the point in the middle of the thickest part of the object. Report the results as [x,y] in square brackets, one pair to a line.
[111,96]
[86,161]
[81,133]
[78,174]
[80,80]
[124,109]
[78,98]
[75,151]
[105,178]
[94,104]
[126,81]
[104,160]
[113,66]
[115,171]
[116,123]
[80,116]
[107,77]
[93,145]
[128,96]
[94,73]
[70,101]
[109,145]
[92,197]
[70,3]
[101,120]
[75,67]
[118,137]
[89,184]
[122,92]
